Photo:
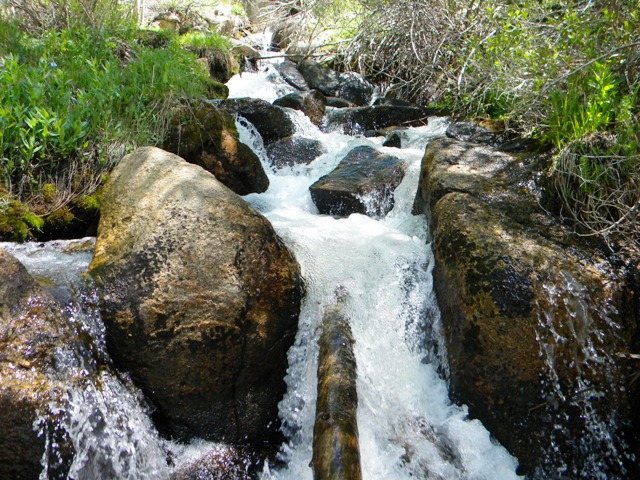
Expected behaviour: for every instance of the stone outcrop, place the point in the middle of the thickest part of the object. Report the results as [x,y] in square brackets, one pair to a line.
[354,121]
[206,136]
[34,337]
[271,122]
[532,317]
[363,182]
[294,151]
[199,296]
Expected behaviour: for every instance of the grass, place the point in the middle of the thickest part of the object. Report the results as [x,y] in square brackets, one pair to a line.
[72,101]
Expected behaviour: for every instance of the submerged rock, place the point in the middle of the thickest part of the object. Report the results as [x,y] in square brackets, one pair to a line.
[205,135]
[532,318]
[294,151]
[34,338]
[270,121]
[393,139]
[199,296]
[357,120]
[363,182]
[336,451]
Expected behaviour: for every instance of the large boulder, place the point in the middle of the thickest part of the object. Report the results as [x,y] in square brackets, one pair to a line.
[357,120]
[472,132]
[271,122]
[363,182]
[533,318]
[34,339]
[312,104]
[292,151]
[199,296]
[206,136]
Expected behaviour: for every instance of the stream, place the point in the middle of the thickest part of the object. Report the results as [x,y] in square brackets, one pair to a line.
[408,426]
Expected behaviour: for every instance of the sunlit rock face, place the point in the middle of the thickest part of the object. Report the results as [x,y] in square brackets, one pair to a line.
[199,297]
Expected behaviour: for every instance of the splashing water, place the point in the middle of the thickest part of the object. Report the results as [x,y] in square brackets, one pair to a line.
[408,426]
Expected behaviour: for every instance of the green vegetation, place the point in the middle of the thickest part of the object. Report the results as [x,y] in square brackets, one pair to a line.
[74,99]
[567,73]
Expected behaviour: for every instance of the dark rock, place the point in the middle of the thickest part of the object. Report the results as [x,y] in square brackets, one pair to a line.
[336,451]
[354,121]
[292,75]
[363,182]
[270,121]
[33,336]
[336,102]
[472,132]
[394,139]
[320,77]
[311,103]
[199,297]
[291,100]
[395,102]
[518,293]
[314,106]
[354,88]
[206,136]
[292,151]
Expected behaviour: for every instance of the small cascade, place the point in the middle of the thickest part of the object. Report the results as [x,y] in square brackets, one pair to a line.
[408,427]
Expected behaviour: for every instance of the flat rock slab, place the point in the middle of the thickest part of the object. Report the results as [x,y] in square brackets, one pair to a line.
[363,182]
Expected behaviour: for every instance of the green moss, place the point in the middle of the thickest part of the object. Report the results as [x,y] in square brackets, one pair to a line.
[60,219]
[87,203]
[17,222]
[218,90]
[49,192]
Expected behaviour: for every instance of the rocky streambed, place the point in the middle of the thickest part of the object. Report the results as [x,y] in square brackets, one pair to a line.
[330,323]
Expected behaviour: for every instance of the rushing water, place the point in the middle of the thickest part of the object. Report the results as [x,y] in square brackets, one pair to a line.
[408,426]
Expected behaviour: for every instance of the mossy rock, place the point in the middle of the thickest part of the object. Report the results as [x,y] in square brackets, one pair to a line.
[531,315]
[207,136]
[17,221]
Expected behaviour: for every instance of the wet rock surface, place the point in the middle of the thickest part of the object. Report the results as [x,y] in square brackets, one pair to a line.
[357,120]
[206,136]
[271,122]
[353,87]
[363,182]
[292,151]
[532,316]
[319,77]
[34,338]
[292,75]
[199,297]
[223,462]
[312,104]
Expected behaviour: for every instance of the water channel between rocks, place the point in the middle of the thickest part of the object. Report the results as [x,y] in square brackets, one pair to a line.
[408,426]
